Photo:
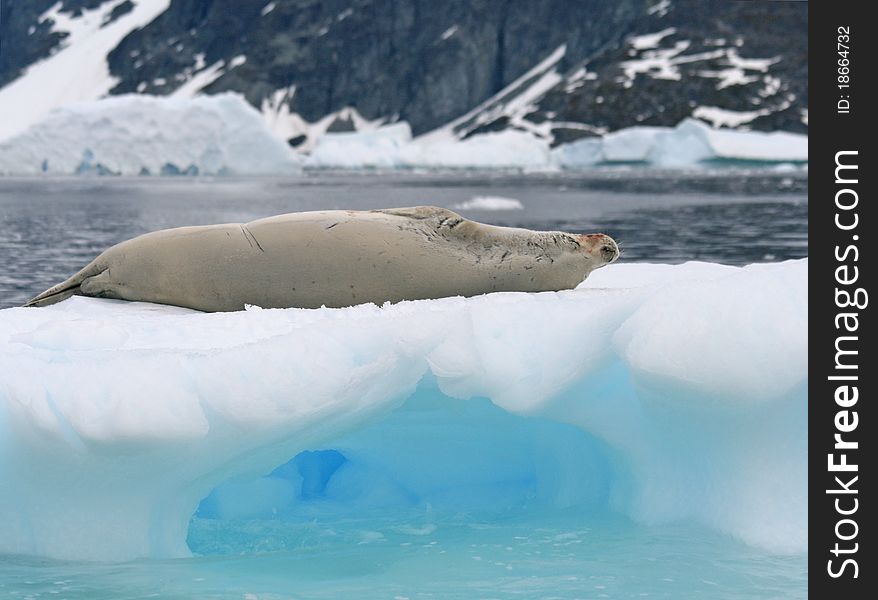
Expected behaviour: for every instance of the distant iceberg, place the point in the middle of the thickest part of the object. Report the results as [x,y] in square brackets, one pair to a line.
[489,203]
[137,135]
[392,147]
[688,144]
[378,148]
[660,392]
[222,134]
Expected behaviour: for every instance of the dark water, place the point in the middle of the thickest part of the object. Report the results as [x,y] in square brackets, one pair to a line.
[50,228]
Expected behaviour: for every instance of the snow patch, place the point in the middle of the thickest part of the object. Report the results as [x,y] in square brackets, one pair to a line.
[78,71]
[664,63]
[196,80]
[660,8]
[650,40]
[721,117]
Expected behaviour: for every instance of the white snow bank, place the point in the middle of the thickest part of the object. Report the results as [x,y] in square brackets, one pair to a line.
[489,203]
[117,418]
[134,134]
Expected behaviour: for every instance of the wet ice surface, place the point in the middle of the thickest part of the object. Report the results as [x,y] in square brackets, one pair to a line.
[50,228]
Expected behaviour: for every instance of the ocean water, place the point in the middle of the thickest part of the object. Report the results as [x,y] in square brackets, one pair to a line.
[50,228]
[565,555]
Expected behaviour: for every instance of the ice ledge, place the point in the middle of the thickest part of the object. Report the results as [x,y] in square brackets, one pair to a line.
[117,418]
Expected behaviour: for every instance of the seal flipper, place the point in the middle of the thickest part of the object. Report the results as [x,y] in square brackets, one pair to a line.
[65,289]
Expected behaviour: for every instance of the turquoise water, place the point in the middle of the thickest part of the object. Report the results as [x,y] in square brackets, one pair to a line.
[562,555]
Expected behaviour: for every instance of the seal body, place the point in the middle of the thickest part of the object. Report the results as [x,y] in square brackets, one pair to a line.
[335,259]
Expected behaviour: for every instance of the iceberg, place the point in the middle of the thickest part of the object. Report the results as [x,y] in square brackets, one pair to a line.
[506,149]
[136,135]
[378,148]
[687,145]
[222,134]
[662,393]
[489,203]
[392,147]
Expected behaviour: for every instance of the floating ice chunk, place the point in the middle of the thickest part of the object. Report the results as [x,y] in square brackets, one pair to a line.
[133,135]
[688,144]
[779,146]
[489,203]
[633,144]
[392,147]
[752,373]
[685,145]
[686,383]
[503,149]
[585,152]
[379,148]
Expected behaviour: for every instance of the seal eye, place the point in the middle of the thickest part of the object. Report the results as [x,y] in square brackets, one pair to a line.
[608,252]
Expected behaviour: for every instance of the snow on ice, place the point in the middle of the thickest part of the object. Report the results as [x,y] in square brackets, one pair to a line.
[664,393]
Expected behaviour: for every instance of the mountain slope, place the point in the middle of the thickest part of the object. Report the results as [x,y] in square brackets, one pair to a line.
[558,69]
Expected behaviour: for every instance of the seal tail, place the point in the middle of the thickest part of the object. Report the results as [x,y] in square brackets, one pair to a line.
[65,289]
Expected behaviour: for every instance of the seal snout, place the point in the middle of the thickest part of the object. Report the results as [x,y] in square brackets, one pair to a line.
[600,245]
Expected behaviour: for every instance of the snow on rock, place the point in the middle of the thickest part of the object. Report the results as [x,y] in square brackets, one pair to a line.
[720,117]
[663,392]
[304,135]
[650,41]
[135,134]
[77,72]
